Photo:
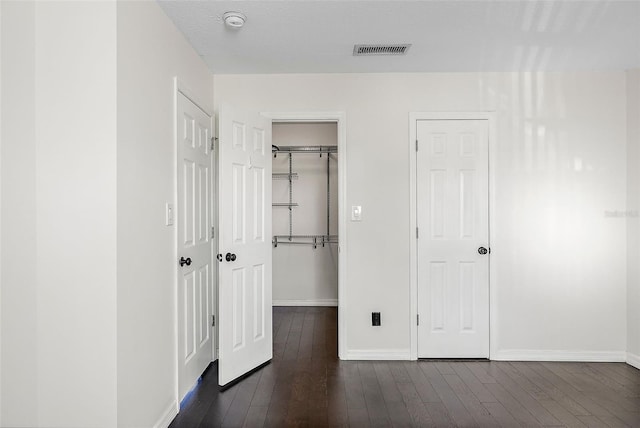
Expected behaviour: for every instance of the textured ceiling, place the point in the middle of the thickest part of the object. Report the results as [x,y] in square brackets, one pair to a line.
[451,35]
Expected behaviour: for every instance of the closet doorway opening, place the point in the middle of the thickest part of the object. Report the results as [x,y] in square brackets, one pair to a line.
[308,219]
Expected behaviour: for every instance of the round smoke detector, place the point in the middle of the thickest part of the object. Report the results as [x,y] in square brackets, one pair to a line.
[234,19]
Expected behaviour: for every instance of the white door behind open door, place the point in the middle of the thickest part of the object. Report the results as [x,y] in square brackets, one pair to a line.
[245,243]
[196,269]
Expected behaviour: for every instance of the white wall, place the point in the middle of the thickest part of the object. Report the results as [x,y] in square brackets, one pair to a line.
[58,219]
[18,240]
[1,50]
[633,219]
[302,274]
[559,165]
[87,166]
[151,51]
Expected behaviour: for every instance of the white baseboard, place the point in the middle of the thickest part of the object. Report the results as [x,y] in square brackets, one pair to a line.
[378,354]
[633,360]
[309,302]
[167,416]
[540,355]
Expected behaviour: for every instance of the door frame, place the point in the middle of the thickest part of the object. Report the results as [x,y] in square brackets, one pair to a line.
[179,87]
[340,118]
[414,117]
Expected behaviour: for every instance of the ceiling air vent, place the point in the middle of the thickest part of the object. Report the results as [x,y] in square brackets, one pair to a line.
[361,50]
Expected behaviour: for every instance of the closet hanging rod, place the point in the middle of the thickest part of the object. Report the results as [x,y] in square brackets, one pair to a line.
[314,244]
[314,240]
[284,175]
[304,149]
[279,237]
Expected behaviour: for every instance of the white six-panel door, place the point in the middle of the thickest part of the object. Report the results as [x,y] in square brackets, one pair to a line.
[453,221]
[245,327]
[194,221]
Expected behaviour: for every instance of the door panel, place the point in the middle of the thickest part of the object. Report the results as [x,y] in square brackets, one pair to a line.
[195,289]
[453,219]
[245,223]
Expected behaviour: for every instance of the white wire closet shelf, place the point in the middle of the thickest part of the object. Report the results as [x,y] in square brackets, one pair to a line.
[319,240]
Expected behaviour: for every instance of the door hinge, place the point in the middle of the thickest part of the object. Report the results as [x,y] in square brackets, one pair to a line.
[416,145]
[418,319]
[213,143]
[213,232]
[213,320]
[417,233]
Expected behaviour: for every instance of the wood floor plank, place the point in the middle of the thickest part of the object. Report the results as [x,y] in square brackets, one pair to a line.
[592,421]
[444,368]
[387,383]
[549,386]
[318,398]
[479,369]
[480,413]
[613,421]
[519,388]
[398,371]
[441,416]
[298,407]
[501,415]
[305,350]
[457,411]
[197,403]
[376,406]
[353,387]
[615,403]
[277,411]
[255,417]
[422,385]
[281,336]
[239,407]
[474,384]
[319,345]
[616,397]
[523,382]
[218,409]
[630,418]
[603,379]
[415,407]
[562,414]
[358,417]
[578,404]
[516,409]
[264,389]
[293,339]
[337,411]
[621,373]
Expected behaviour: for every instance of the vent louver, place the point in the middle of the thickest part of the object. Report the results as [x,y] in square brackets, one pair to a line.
[361,50]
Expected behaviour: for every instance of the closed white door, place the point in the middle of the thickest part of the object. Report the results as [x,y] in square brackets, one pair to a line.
[195,265]
[244,289]
[453,234]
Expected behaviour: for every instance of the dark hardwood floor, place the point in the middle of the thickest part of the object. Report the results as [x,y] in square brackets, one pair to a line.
[306,385]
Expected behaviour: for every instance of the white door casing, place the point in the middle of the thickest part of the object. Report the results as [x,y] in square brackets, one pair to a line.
[194,244]
[452,205]
[340,118]
[244,291]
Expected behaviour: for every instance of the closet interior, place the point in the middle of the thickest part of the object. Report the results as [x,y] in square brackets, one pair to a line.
[305,214]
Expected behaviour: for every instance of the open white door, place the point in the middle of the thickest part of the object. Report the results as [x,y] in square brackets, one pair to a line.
[195,270]
[244,288]
[453,220]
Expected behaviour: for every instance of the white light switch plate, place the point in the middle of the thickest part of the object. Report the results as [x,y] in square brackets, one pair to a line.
[356,213]
[169,214]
